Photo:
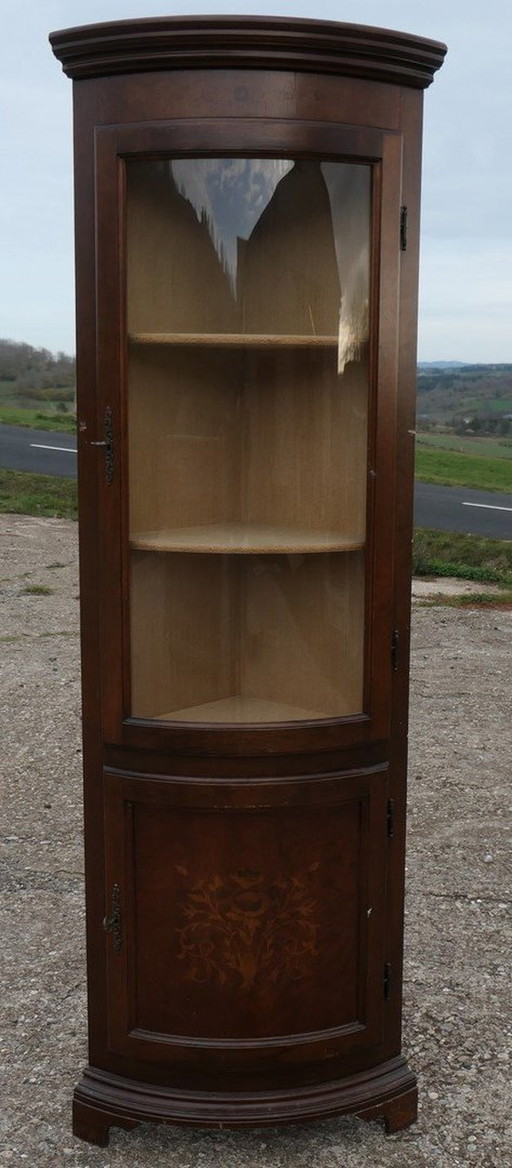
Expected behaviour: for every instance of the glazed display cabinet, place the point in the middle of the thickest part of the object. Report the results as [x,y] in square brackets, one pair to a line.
[247,236]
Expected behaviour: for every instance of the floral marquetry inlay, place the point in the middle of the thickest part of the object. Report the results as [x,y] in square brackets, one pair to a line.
[242,927]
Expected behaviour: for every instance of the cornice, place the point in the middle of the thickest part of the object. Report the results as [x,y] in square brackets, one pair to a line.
[247,42]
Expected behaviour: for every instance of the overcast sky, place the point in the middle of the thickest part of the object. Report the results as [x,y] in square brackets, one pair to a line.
[466,253]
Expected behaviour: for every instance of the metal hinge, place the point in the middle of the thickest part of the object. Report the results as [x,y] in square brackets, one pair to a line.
[403,228]
[112,924]
[387,981]
[391,818]
[395,640]
[108,443]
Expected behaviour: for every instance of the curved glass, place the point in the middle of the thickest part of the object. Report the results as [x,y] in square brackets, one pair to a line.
[247,305]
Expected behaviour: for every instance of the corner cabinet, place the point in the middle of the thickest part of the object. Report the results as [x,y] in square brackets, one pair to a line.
[247,235]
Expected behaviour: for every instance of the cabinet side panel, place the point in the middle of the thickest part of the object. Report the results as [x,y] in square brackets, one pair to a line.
[303,631]
[305,444]
[90,576]
[183,631]
[175,283]
[183,449]
[412,110]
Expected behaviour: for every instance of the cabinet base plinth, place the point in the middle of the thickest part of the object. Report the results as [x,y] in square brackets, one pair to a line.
[102,1101]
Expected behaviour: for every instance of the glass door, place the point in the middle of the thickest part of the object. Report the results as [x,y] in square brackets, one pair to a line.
[248,290]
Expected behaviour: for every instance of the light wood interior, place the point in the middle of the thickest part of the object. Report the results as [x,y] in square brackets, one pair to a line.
[286,276]
[273,440]
[273,635]
[234,340]
[244,538]
[242,709]
[247,463]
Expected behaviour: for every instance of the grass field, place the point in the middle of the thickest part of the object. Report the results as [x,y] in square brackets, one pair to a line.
[488,447]
[467,557]
[33,494]
[453,469]
[39,419]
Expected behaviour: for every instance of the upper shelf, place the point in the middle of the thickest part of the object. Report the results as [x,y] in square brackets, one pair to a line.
[234,340]
[243,538]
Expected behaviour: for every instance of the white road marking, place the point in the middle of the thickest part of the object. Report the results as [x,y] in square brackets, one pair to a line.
[487,506]
[65,449]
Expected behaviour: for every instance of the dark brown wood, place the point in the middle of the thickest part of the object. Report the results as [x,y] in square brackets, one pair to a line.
[103,1100]
[189,826]
[215,137]
[247,42]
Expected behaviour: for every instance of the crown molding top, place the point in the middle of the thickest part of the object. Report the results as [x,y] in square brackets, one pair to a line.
[247,42]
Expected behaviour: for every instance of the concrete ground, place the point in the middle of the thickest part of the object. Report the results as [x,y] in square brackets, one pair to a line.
[457,1015]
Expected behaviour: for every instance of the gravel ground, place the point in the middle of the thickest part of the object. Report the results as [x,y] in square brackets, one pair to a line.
[457,1017]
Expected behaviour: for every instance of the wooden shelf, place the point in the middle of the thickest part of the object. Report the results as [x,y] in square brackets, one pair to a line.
[242,709]
[243,539]
[235,340]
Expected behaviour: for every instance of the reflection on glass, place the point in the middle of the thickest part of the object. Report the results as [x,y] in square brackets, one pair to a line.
[248,290]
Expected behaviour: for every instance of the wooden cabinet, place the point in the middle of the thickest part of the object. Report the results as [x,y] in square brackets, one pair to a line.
[247,230]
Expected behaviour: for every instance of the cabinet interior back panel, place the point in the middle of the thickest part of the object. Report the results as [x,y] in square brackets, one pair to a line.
[286,630]
[275,438]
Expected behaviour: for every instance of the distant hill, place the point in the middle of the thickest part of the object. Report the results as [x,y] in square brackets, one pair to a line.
[28,368]
[468,398]
[441,364]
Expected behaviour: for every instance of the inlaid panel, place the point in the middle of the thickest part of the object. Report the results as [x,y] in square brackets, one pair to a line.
[248,922]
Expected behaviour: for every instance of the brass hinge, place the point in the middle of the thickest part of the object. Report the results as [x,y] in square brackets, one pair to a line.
[387,981]
[391,818]
[112,924]
[403,228]
[108,443]
[395,640]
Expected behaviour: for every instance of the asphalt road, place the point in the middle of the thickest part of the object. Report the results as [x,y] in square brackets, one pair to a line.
[449,508]
[457,509]
[39,451]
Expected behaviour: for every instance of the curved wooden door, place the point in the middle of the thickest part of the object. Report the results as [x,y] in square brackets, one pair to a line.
[250,933]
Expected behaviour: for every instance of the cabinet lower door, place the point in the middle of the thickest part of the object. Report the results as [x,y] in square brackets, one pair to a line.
[245,922]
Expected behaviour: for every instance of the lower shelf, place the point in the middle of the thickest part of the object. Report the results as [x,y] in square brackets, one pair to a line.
[242,709]
[247,638]
[248,538]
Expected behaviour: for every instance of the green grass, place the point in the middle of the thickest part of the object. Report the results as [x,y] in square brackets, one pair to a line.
[38,419]
[467,557]
[38,590]
[478,405]
[489,447]
[33,494]
[471,600]
[452,469]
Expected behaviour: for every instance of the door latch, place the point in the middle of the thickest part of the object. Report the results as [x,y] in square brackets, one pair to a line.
[108,443]
[112,924]
[403,228]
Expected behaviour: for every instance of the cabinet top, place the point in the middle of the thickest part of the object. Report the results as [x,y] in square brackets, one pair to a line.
[247,42]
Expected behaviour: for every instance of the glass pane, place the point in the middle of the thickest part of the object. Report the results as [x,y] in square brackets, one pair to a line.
[247,298]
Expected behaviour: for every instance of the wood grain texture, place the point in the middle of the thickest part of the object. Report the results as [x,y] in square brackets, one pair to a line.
[242,538]
[243,632]
[247,42]
[235,340]
[224,819]
[103,1100]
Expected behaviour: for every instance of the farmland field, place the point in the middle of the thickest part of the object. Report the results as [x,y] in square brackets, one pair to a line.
[489,447]
[450,468]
